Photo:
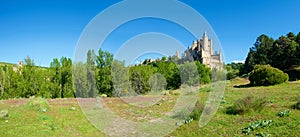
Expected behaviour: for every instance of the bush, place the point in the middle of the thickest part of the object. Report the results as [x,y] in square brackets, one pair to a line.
[197,112]
[4,114]
[38,104]
[246,105]
[265,75]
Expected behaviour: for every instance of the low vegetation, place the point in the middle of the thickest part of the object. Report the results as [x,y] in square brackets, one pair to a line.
[246,105]
[198,109]
[38,104]
[268,100]
[297,104]
[4,114]
[256,125]
[265,75]
[284,113]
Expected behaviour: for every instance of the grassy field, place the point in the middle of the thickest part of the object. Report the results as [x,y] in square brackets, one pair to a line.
[63,117]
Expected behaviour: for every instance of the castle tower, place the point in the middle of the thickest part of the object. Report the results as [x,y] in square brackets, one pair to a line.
[210,46]
[194,45]
[199,44]
[205,42]
[177,54]
[220,56]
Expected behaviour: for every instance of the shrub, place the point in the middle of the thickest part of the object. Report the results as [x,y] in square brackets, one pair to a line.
[246,105]
[265,75]
[232,73]
[4,114]
[38,104]
[196,113]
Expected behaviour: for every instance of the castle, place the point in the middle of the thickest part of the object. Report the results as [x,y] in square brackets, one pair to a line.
[202,50]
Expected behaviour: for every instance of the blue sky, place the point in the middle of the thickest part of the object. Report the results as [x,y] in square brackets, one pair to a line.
[47,29]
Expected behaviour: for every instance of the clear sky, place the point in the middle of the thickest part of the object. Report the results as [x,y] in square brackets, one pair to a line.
[45,29]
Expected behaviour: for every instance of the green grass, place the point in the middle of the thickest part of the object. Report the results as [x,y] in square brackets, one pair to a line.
[280,97]
[59,120]
[65,118]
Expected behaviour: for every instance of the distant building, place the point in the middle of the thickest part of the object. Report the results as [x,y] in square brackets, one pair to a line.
[177,54]
[202,50]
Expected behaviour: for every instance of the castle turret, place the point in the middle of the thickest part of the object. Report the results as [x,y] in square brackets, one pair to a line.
[199,44]
[220,56]
[177,54]
[194,45]
[210,46]
[205,42]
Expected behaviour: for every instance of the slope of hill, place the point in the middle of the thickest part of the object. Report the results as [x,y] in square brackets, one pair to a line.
[5,63]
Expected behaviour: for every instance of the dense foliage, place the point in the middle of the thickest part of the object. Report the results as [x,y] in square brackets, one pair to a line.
[100,74]
[265,75]
[234,70]
[30,80]
[282,53]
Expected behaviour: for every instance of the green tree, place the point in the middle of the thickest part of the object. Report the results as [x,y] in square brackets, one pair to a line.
[104,83]
[263,48]
[282,53]
[91,58]
[2,81]
[139,78]
[120,78]
[80,80]
[11,83]
[157,83]
[55,87]
[250,62]
[30,79]
[62,81]
[204,73]
[44,76]
[189,74]
[66,78]
[171,73]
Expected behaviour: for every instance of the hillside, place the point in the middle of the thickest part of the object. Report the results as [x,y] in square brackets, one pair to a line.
[12,64]
[5,63]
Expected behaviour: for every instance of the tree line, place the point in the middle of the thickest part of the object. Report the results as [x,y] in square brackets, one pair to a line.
[282,53]
[102,74]
[30,80]
[99,74]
